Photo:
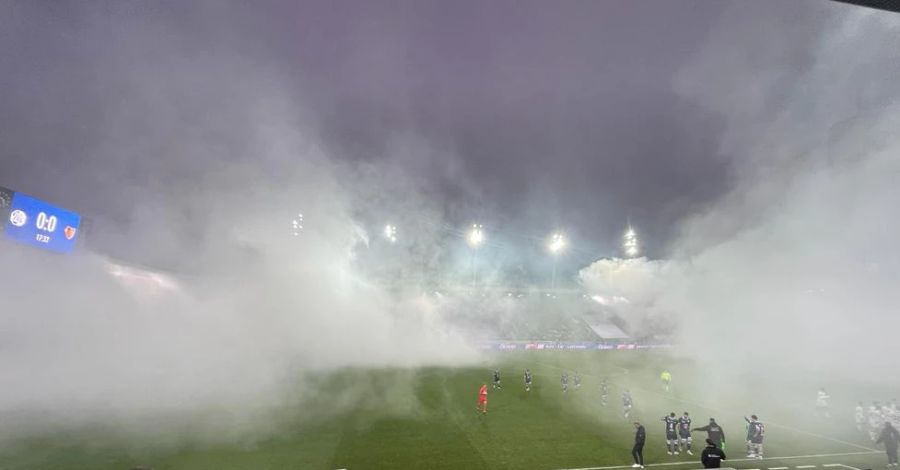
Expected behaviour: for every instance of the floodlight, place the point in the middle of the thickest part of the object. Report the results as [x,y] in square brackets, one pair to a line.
[297,225]
[557,243]
[476,236]
[390,232]
[630,243]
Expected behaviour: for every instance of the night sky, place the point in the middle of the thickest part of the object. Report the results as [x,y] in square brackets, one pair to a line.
[536,115]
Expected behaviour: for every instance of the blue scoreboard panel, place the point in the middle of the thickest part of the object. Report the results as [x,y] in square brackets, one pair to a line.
[34,222]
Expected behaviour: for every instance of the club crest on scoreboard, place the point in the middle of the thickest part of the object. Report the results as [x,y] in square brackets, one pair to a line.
[18,218]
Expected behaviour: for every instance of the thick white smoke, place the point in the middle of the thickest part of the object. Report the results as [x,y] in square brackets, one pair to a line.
[260,308]
[798,265]
[219,158]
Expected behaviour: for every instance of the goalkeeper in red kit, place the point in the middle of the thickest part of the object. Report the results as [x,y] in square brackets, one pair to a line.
[482,399]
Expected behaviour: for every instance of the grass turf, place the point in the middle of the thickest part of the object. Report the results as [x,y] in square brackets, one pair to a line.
[426,418]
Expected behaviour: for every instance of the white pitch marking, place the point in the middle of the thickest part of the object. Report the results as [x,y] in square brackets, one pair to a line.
[810,456]
[770,423]
[868,449]
[805,466]
[778,468]
[820,436]
[608,376]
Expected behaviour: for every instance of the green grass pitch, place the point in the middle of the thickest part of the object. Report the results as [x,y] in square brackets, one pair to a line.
[426,419]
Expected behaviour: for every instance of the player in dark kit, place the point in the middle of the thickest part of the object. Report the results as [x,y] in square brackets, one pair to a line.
[496,384]
[714,432]
[576,379]
[755,433]
[671,434]
[890,438]
[627,403]
[527,378]
[712,456]
[564,382]
[604,392]
[684,433]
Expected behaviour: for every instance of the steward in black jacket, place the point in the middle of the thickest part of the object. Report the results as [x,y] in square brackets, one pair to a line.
[712,455]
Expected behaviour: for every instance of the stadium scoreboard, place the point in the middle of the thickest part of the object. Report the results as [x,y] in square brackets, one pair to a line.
[31,221]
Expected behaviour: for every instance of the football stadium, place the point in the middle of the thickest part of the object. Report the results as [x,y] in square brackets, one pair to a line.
[431,234]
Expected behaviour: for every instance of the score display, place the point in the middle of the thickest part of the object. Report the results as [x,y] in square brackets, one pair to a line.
[37,223]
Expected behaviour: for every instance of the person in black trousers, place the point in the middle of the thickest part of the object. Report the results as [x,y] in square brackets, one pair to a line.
[640,435]
[890,437]
[712,455]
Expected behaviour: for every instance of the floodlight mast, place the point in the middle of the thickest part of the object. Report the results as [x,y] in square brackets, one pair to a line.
[475,238]
[297,225]
[555,245]
[390,233]
[630,243]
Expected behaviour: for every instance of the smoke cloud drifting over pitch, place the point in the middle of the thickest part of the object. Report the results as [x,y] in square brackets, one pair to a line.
[205,159]
[797,266]
[196,144]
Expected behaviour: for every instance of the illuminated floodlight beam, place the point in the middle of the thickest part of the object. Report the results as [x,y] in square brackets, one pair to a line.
[630,243]
[476,236]
[557,243]
[390,232]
